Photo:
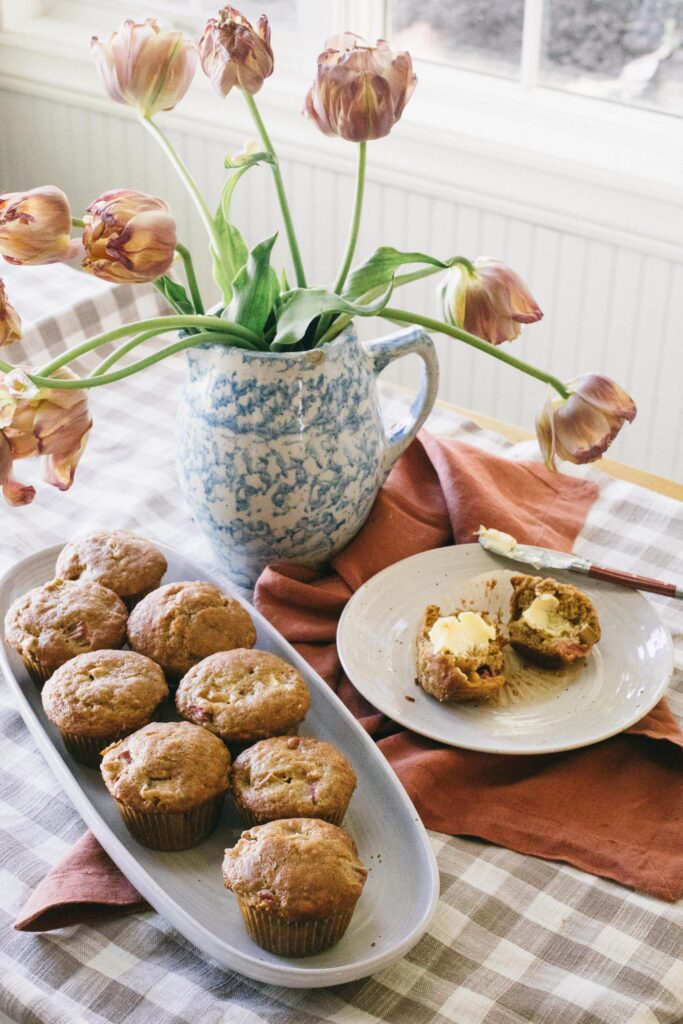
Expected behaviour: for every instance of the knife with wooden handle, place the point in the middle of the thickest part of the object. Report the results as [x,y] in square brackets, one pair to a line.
[544,558]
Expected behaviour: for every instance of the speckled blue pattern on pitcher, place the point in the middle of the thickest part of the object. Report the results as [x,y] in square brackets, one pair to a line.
[281,455]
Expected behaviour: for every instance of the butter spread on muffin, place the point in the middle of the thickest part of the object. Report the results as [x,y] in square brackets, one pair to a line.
[244,695]
[459,656]
[118,559]
[63,618]
[99,697]
[297,882]
[292,777]
[180,624]
[551,623]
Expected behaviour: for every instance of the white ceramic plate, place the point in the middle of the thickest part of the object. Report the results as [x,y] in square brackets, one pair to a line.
[539,711]
[187,887]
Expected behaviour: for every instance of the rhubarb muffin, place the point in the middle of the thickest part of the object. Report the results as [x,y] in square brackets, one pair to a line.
[292,777]
[125,563]
[297,883]
[169,781]
[63,618]
[551,623]
[244,696]
[98,698]
[459,656]
[180,624]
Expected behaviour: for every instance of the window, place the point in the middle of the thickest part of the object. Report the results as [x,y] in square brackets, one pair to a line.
[629,51]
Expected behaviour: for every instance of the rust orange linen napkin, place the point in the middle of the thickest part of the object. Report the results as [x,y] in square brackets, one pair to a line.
[613,809]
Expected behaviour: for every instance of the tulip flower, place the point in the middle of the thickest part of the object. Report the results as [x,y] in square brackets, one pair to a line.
[492,302]
[128,237]
[145,67]
[233,52]
[10,321]
[35,226]
[40,422]
[582,427]
[360,91]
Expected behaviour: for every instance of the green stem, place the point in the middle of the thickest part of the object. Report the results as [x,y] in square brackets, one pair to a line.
[280,189]
[76,222]
[187,179]
[6,367]
[191,277]
[355,219]
[162,323]
[403,316]
[121,351]
[206,337]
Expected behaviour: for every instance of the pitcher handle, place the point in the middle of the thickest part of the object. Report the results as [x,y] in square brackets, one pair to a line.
[383,351]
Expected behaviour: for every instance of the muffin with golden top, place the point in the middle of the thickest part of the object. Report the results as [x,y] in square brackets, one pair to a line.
[292,777]
[297,883]
[459,656]
[61,619]
[552,624]
[118,559]
[244,696]
[180,624]
[99,697]
[169,781]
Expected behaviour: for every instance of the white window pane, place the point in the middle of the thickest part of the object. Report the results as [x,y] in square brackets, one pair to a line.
[481,35]
[624,50]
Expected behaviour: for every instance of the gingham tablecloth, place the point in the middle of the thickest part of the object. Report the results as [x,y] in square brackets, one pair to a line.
[515,939]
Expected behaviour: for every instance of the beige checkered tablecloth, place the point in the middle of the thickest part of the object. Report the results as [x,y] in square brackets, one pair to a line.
[515,939]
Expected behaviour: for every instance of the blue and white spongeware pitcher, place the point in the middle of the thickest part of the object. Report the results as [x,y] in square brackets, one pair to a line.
[281,454]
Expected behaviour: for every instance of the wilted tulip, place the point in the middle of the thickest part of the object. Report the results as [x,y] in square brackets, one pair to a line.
[233,52]
[360,90]
[128,237]
[582,427]
[145,67]
[492,302]
[10,321]
[35,226]
[51,423]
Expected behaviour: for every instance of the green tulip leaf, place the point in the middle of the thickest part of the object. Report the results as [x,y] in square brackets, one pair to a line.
[175,294]
[302,306]
[379,269]
[249,160]
[233,249]
[254,289]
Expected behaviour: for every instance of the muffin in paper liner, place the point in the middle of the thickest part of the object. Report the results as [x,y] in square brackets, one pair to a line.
[177,830]
[38,674]
[293,938]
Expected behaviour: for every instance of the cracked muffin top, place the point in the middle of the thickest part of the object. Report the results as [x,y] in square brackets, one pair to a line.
[99,693]
[296,868]
[63,618]
[180,624]
[118,559]
[292,777]
[244,695]
[166,767]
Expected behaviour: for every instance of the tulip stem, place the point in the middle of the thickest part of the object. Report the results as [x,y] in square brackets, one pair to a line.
[205,338]
[355,220]
[280,189]
[6,367]
[403,316]
[162,324]
[121,351]
[187,179]
[191,277]
[76,222]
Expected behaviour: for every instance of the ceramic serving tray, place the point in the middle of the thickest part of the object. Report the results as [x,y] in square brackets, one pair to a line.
[186,887]
[538,711]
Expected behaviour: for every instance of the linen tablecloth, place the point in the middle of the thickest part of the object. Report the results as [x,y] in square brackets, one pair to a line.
[514,939]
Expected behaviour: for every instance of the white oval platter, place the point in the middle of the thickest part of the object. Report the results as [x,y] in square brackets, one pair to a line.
[187,888]
[542,711]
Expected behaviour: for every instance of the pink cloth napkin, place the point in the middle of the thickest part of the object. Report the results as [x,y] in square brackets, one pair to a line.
[613,809]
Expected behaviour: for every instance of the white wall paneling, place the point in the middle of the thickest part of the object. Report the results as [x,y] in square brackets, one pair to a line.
[612,292]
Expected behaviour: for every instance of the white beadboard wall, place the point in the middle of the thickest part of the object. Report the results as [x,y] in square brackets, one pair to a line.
[610,307]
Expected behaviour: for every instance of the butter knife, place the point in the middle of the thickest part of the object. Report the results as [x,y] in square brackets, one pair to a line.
[544,558]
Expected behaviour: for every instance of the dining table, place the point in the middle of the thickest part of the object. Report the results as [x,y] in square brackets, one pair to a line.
[514,938]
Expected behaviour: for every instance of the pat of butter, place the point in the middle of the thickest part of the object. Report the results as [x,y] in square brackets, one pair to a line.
[542,614]
[497,541]
[461,634]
